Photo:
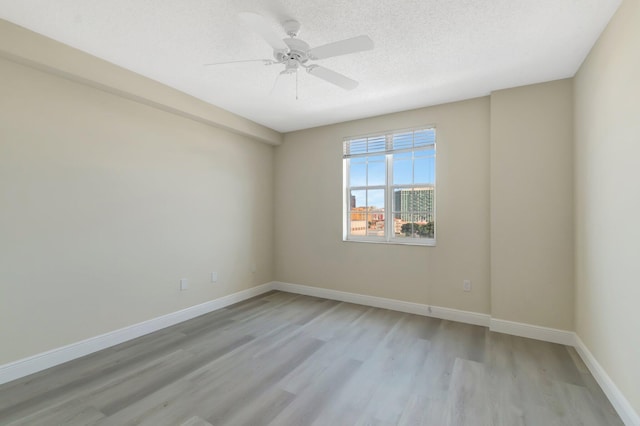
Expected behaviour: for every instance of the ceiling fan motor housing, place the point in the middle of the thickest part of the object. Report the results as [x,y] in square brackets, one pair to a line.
[297,51]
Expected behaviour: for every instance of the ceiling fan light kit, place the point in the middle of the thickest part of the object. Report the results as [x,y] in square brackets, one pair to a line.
[295,53]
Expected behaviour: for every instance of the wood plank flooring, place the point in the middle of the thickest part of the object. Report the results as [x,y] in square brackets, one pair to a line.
[286,359]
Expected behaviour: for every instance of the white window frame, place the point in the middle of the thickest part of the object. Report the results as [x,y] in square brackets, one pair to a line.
[389,234]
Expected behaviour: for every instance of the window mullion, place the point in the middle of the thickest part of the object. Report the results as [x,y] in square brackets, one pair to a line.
[361,188]
[388,214]
[346,219]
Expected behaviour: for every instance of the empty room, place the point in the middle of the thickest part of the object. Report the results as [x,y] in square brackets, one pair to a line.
[320,212]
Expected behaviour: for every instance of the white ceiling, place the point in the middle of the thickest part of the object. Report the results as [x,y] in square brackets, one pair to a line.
[426,52]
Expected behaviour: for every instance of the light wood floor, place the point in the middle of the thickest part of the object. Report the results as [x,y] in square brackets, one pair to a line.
[285,359]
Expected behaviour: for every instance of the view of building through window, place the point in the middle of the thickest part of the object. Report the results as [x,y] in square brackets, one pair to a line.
[390,187]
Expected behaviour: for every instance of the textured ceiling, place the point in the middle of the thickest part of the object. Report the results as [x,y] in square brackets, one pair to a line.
[426,52]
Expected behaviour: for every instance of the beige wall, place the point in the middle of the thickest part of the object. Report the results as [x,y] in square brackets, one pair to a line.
[532,204]
[607,205]
[27,47]
[309,246]
[106,203]
[504,210]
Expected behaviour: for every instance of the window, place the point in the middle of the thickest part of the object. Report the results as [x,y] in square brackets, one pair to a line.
[389,187]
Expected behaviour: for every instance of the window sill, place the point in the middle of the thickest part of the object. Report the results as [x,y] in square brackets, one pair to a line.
[426,243]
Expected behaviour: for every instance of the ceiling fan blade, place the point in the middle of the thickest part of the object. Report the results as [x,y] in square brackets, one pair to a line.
[266,62]
[343,47]
[332,77]
[261,26]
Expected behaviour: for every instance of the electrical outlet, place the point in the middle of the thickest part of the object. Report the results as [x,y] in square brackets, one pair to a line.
[184,284]
[466,285]
[214,277]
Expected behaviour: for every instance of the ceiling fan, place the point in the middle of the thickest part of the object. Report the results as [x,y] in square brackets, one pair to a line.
[295,54]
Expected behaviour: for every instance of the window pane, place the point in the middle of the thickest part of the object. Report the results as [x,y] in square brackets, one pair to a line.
[424,199]
[375,223]
[358,212]
[403,200]
[417,226]
[377,170]
[424,170]
[425,152]
[421,227]
[358,228]
[402,224]
[402,170]
[400,155]
[358,199]
[413,199]
[375,199]
[397,200]
[423,217]
[358,172]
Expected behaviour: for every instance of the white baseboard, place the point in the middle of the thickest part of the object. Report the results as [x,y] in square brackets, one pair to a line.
[44,360]
[622,406]
[546,334]
[392,304]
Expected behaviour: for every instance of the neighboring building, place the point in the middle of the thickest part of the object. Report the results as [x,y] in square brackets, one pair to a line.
[376,215]
[358,213]
[370,214]
[358,227]
[414,204]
